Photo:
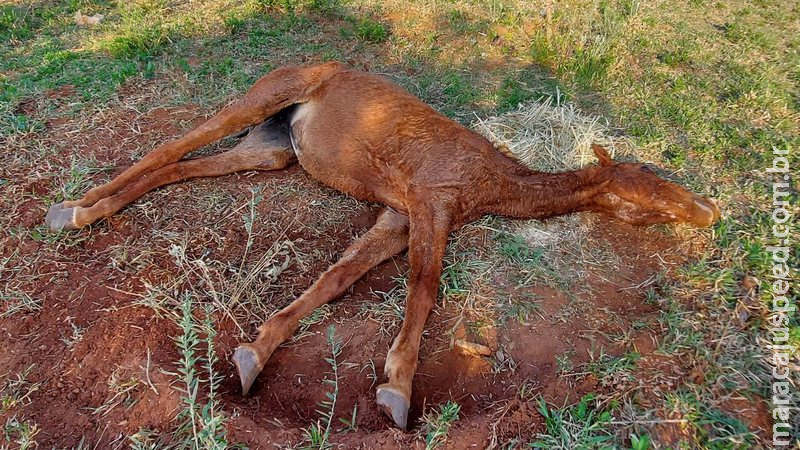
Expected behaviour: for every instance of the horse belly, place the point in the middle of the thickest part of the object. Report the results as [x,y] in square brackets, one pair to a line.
[326,152]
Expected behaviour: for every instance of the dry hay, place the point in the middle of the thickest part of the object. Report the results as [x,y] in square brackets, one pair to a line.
[552,136]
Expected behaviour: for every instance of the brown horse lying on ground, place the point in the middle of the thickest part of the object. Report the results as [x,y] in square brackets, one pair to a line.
[369,138]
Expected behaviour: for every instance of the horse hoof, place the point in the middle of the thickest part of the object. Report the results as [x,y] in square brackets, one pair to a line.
[394,404]
[60,218]
[248,366]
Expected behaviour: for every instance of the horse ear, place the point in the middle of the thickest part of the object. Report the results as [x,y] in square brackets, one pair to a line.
[602,155]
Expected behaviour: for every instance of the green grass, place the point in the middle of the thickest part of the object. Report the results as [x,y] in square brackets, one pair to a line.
[21,433]
[370,30]
[530,265]
[520,309]
[582,426]
[437,424]
[605,366]
[724,431]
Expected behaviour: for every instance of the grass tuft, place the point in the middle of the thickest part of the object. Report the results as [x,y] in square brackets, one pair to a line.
[582,426]
[437,425]
[17,390]
[371,30]
[21,433]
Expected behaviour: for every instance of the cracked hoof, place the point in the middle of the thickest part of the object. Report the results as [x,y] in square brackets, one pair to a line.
[248,366]
[60,218]
[394,404]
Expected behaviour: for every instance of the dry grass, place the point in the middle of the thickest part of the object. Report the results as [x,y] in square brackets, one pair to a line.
[552,136]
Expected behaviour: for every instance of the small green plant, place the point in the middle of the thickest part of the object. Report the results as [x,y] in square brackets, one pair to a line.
[318,434]
[582,426]
[141,42]
[674,58]
[438,425]
[529,263]
[325,6]
[542,51]
[286,6]
[17,390]
[458,89]
[20,432]
[605,365]
[351,424]
[455,279]
[515,248]
[512,93]
[370,30]
[388,308]
[589,66]
[256,197]
[680,335]
[564,363]
[79,178]
[202,427]
[15,22]
[518,309]
[640,442]
[712,427]
[317,316]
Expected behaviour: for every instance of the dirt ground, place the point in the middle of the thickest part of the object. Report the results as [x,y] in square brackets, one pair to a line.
[90,330]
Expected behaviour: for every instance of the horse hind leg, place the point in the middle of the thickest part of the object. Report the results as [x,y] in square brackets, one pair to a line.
[270,95]
[266,147]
